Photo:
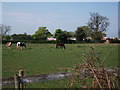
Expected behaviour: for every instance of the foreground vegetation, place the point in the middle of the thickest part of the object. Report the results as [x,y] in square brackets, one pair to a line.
[45,58]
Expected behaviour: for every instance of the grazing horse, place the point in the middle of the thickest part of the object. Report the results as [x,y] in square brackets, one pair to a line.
[8,45]
[20,45]
[60,44]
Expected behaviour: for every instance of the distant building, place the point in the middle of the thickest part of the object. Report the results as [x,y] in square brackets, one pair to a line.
[72,38]
[109,38]
[87,38]
[51,39]
[104,38]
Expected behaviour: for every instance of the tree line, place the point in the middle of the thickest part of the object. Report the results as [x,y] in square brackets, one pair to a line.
[95,29]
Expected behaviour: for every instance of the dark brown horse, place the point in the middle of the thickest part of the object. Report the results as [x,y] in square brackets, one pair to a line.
[60,44]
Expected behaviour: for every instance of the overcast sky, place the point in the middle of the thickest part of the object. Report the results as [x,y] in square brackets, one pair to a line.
[28,16]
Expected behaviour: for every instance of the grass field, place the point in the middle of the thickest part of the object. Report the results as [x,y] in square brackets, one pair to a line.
[45,58]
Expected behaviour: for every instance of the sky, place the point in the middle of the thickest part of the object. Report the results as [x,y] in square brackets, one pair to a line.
[28,16]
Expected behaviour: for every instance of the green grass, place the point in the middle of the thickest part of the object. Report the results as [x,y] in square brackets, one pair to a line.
[45,58]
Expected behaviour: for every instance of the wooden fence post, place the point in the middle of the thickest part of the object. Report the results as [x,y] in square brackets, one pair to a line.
[21,73]
[17,82]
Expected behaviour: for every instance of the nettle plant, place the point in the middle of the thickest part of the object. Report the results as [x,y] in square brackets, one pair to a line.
[92,73]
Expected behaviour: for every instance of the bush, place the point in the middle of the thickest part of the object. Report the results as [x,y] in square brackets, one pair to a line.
[92,73]
[102,41]
[28,41]
[71,41]
[115,41]
[13,41]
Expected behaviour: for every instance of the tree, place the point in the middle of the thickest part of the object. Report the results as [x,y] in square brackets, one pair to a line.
[21,37]
[71,34]
[98,24]
[59,35]
[6,37]
[80,34]
[87,31]
[41,34]
[62,35]
[67,35]
[4,29]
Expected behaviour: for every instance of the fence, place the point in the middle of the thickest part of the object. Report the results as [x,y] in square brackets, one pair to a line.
[19,80]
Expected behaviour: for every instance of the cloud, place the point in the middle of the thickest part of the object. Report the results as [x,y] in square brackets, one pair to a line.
[22,17]
[31,18]
[28,22]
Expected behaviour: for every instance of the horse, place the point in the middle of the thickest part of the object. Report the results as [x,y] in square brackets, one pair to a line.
[20,45]
[8,45]
[60,44]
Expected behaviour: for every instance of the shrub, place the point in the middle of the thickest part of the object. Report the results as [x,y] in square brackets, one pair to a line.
[92,73]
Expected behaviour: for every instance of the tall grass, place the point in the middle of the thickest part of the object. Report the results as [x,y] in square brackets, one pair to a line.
[92,73]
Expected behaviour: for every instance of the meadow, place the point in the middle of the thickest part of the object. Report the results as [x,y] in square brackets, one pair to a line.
[45,58]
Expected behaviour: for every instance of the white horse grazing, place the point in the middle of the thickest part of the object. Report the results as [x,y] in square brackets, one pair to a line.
[20,45]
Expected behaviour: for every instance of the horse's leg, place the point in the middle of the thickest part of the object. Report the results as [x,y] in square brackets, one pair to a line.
[21,48]
[64,46]
[56,46]
[25,46]
[9,47]
[17,47]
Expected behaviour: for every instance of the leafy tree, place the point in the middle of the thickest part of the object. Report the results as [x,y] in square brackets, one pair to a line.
[6,37]
[80,34]
[59,35]
[71,34]
[21,37]
[15,37]
[62,35]
[97,36]
[98,24]
[67,35]
[41,34]
[87,31]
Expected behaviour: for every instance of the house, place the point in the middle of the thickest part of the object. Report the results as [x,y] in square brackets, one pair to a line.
[72,38]
[51,39]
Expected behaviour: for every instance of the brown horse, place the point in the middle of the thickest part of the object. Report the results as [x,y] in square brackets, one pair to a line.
[8,45]
[60,44]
